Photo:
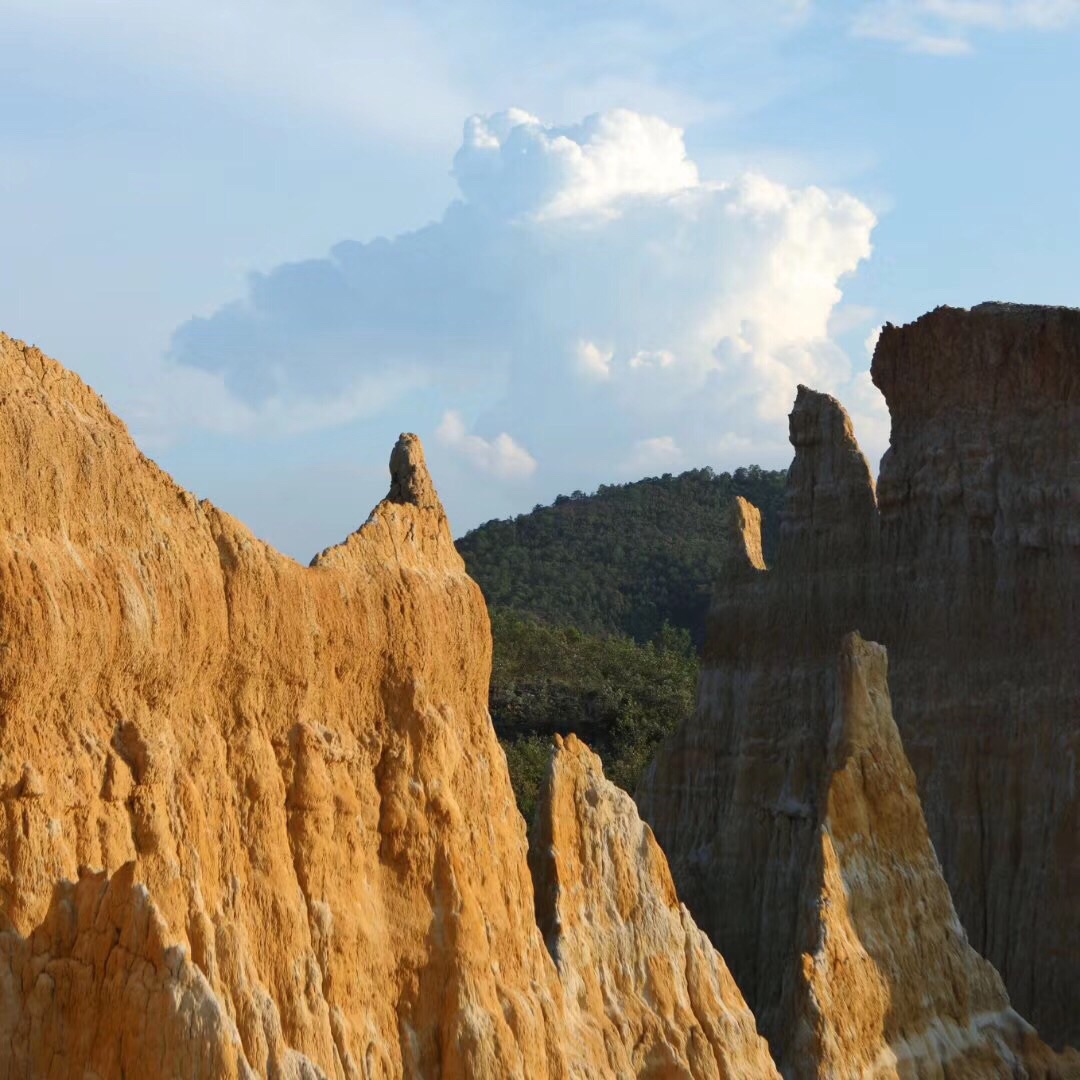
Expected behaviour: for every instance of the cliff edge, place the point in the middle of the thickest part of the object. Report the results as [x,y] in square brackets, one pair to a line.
[254,817]
[965,563]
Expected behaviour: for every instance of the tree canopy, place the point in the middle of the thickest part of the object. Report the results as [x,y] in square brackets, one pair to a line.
[627,559]
[598,604]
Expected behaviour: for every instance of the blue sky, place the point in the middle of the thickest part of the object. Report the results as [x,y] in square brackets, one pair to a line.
[567,245]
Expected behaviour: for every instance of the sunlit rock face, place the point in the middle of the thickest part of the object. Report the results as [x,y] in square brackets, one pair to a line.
[255,819]
[296,762]
[641,980]
[965,564]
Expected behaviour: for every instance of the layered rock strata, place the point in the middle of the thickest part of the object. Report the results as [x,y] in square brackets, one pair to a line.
[889,986]
[641,979]
[309,861]
[965,564]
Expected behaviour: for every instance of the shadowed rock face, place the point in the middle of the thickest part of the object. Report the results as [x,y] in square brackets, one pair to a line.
[967,567]
[97,988]
[312,860]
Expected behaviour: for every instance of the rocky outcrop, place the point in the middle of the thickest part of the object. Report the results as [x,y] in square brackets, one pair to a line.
[291,758]
[642,981]
[889,985]
[965,564]
[309,860]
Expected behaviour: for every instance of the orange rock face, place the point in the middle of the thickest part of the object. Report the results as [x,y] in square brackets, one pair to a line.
[255,820]
[308,857]
[298,762]
[965,564]
[643,984]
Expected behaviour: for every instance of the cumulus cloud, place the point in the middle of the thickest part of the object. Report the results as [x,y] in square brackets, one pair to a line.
[587,290]
[594,362]
[514,164]
[183,397]
[870,416]
[945,27]
[500,456]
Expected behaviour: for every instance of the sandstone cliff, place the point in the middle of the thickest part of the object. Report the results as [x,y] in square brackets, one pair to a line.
[291,758]
[254,817]
[965,564]
[641,979]
[890,986]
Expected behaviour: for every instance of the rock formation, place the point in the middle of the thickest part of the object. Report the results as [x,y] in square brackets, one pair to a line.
[965,564]
[890,986]
[643,980]
[96,990]
[309,861]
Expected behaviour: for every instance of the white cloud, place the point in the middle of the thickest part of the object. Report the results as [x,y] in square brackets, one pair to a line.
[589,290]
[185,398]
[870,344]
[945,27]
[593,361]
[870,416]
[736,447]
[501,456]
[848,317]
[1004,14]
[654,358]
[515,163]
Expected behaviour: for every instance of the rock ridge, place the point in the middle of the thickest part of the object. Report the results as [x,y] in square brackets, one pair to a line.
[641,980]
[965,563]
[254,817]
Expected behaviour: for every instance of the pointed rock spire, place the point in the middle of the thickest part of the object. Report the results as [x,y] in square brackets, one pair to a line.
[641,980]
[890,986]
[410,481]
[394,528]
[831,508]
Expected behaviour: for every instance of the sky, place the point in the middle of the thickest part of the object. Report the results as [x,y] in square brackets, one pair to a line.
[567,244]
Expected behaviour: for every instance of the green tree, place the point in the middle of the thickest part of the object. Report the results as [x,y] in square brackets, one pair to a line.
[598,602]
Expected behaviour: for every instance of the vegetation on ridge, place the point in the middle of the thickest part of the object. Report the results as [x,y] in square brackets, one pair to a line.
[597,604]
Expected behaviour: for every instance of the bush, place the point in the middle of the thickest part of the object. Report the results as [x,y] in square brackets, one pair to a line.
[527,759]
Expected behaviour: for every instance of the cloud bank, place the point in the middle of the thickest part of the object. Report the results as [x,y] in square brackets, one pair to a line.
[588,290]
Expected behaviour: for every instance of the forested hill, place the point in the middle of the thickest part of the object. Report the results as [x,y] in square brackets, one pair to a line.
[628,558]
